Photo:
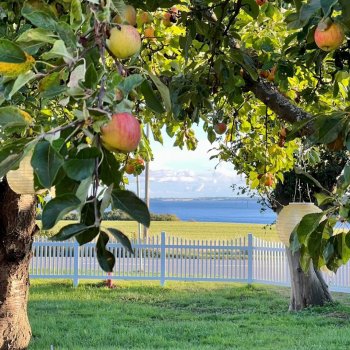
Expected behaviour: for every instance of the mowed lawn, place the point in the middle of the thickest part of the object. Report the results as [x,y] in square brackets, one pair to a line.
[190,230]
[178,316]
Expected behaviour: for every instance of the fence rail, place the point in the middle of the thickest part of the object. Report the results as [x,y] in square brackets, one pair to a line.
[248,259]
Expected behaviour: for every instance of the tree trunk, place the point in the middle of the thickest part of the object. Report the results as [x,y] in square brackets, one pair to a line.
[308,289]
[17,227]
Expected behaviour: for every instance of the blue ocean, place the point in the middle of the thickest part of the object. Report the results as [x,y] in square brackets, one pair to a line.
[238,210]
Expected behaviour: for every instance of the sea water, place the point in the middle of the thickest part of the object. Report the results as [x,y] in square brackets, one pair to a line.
[236,210]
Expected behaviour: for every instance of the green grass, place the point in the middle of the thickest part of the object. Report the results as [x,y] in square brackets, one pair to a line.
[200,316]
[191,230]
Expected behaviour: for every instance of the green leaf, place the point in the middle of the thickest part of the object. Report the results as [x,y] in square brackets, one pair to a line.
[69,231]
[83,189]
[251,8]
[109,169]
[314,242]
[128,202]
[87,236]
[38,35]
[105,258]
[9,163]
[106,200]
[308,10]
[121,238]
[11,117]
[91,78]
[305,259]
[294,244]
[151,99]
[11,52]
[79,169]
[327,6]
[56,208]
[130,82]
[66,33]
[307,225]
[46,163]
[323,198]
[76,13]
[327,128]
[50,86]
[59,50]
[22,80]
[163,90]
[38,16]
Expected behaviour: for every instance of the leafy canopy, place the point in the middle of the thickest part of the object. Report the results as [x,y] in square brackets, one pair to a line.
[255,68]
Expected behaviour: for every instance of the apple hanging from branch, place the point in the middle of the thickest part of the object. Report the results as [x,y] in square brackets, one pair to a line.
[122,133]
[329,35]
[127,15]
[124,41]
[220,128]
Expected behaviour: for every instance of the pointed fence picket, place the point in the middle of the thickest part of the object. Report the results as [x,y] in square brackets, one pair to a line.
[248,259]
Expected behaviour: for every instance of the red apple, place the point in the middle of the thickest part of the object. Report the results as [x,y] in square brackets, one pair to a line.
[268,179]
[329,35]
[220,128]
[145,18]
[261,2]
[149,33]
[122,133]
[129,168]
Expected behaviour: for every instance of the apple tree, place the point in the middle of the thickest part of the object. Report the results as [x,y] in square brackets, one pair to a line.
[79,80]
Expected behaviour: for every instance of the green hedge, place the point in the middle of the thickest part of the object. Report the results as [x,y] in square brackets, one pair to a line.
[116,214]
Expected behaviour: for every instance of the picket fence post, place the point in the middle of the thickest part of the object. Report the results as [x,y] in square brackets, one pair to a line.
[250,258]
[162,259]
[76,264]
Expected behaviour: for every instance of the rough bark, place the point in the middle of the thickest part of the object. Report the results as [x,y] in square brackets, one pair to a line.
[308,289]
[17,227]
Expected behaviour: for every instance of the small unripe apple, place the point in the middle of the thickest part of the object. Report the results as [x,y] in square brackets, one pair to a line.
[149,33]
[268,179]
[220,128]
[134,166]
[124,41]
[167,19]
[329,36]
[127,15]
[129,168]
[337,144]
[145,18]
[261,2]
[264,73]
[122,133]
[271,76]
[139,161]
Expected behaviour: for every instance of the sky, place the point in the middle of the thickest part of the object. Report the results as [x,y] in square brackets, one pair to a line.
[176,173]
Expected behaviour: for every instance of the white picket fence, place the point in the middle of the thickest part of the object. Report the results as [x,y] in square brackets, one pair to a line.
[164,259]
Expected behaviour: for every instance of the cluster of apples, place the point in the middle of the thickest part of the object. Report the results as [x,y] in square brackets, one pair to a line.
[134,166]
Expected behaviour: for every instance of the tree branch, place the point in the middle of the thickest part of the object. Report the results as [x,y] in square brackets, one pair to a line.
[272,98]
